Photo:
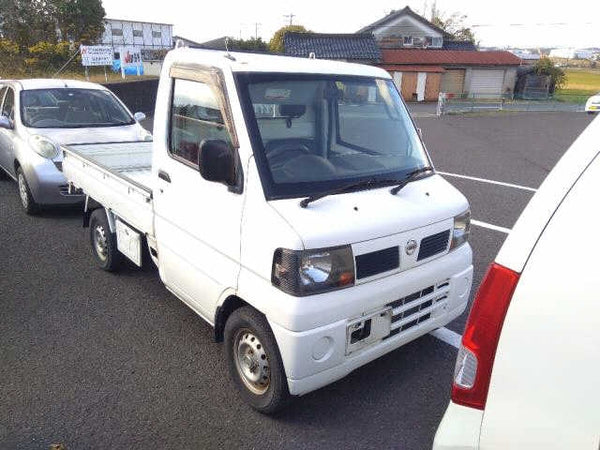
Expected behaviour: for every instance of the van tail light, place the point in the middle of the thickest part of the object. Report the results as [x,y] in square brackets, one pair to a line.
[480,339]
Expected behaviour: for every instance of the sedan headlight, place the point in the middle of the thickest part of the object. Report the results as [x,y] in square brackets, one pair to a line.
[308,272]
[145,135]
[43,146]
[462,229]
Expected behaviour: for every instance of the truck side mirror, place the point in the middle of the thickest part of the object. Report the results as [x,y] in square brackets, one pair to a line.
[216,163]
[5,122]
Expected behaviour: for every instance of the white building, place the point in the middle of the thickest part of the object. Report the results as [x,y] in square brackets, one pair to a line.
[140,34]
[571,53]
[153,39]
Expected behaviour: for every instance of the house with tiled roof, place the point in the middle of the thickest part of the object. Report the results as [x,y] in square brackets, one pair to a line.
[361,48]
[424,60]
[422,74]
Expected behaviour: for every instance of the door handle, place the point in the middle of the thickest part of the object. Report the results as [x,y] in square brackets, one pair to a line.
[164,176]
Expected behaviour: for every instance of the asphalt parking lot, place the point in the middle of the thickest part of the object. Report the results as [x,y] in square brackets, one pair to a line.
[95,360]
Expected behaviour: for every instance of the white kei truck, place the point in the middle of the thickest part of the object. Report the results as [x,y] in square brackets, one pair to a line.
[290,203]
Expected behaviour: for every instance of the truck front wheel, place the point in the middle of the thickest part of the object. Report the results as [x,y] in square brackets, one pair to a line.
[104,243]
[254,361]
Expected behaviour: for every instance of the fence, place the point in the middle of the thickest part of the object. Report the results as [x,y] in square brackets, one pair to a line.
[465,103]
[137,95]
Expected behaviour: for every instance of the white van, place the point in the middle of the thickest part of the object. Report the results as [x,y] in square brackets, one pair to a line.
[528,368]
[291,203]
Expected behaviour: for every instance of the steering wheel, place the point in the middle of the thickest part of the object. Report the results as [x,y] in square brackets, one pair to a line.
[275,156]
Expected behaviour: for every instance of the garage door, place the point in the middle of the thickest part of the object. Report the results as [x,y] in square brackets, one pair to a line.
[453,81]
[486,82]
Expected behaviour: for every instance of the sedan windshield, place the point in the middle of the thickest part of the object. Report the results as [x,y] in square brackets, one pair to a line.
[72,108]
[316,133]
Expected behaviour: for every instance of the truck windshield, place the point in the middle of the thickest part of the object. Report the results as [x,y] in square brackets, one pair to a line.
[315,133]
[72,108]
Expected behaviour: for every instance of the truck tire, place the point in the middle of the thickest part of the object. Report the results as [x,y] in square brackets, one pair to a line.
[104,243]
[27,201]
[254,362]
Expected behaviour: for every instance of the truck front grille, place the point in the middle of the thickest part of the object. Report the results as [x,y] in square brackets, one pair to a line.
[417,307]
[434,244]
[380,261]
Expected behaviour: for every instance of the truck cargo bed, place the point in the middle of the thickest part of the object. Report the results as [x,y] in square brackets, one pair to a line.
[117,175]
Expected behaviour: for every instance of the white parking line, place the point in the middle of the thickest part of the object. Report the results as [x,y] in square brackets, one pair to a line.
[483,180]
[489,226]
[448,336]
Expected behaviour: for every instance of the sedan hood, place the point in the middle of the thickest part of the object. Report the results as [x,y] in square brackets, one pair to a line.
[66,136]
[361,216]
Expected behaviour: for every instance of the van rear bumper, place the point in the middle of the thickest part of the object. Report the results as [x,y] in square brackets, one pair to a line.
[317,357]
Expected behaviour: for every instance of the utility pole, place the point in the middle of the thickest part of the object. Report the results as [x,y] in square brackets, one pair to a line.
[290,16]
[256,25]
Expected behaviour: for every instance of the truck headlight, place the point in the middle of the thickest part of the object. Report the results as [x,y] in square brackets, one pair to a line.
[462,229]
[308,272]
[43,146]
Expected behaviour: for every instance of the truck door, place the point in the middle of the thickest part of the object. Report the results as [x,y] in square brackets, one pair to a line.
[197,222]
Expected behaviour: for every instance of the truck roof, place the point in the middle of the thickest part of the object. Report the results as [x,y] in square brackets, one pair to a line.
[252,62]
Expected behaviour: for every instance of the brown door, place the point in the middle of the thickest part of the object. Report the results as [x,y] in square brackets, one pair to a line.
[409,86]
[432,88]
[453,81]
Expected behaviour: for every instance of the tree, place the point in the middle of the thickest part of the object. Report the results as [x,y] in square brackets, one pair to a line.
[26,22]
[558,77]
[80,20]
[276,42]
[453,25]
[252,44]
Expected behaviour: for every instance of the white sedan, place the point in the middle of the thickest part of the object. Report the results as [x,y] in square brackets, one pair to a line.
[528,369]
[593,104]
[37,116]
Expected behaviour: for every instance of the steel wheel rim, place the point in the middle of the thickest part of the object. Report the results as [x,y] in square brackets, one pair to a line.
[23,191]
[100,242]
[251,361]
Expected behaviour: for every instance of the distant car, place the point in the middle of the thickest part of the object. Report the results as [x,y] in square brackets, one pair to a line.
[593,104]
[37,116]
[528,368]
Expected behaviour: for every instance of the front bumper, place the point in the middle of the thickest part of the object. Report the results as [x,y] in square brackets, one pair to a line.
[460,429]
[319,356]
[48,185]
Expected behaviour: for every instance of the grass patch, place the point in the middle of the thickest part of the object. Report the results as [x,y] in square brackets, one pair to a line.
[581,84]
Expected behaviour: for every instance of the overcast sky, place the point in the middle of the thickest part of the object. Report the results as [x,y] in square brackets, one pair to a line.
[524,23]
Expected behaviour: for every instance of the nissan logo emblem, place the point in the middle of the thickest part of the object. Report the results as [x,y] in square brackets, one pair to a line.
[411,246]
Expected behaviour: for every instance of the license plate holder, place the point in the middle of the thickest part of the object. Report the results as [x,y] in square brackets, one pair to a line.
[365,330]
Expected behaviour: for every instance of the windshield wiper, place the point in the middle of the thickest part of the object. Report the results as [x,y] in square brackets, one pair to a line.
[359,185]
[410,177]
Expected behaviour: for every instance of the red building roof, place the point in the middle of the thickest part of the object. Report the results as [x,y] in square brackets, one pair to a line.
[415,68]
[448,57]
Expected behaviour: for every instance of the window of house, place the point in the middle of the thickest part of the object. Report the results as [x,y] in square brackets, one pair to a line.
[117,32]
[437,42]
[195,116]
[407,40]
[156,34]
[138,33]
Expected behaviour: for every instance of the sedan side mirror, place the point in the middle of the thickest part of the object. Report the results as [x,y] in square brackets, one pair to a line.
[139,116]
[216,162]
[5,122]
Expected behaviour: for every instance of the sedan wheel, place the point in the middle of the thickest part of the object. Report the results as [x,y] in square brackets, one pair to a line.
[29,205]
